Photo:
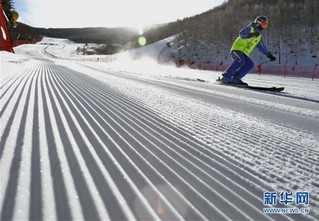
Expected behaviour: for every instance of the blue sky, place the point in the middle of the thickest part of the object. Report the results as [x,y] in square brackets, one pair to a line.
[107,13]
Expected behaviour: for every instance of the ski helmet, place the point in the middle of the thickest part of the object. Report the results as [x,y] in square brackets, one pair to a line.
[262,21]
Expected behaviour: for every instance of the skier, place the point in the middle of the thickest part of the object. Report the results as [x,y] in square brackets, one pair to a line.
[249,38]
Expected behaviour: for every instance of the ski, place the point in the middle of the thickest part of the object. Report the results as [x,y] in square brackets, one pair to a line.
[257,88]
[274,89]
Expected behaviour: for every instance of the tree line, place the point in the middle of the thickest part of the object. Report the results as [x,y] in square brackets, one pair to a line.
[293,24]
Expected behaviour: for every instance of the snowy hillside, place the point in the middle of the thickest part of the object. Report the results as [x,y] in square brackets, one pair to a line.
[123,138]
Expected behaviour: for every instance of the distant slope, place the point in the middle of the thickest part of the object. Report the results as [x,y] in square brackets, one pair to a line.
[127,37]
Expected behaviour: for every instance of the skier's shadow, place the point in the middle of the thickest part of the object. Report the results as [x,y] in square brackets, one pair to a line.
[286,94]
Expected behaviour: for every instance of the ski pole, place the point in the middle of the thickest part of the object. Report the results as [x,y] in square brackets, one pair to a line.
[265,62]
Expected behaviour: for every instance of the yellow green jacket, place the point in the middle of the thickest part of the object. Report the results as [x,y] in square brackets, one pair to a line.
[245,44]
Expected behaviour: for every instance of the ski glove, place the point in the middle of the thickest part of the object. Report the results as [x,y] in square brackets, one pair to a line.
[271,57]
[254,34]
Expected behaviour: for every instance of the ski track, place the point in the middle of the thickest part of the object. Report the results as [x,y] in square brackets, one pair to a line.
[73,147]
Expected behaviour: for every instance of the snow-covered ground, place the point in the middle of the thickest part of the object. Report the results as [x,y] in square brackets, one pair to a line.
[127,138]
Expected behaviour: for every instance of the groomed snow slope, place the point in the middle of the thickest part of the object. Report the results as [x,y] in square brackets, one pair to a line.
[125,141]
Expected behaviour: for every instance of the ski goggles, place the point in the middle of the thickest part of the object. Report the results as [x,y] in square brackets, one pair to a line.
[264,24]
